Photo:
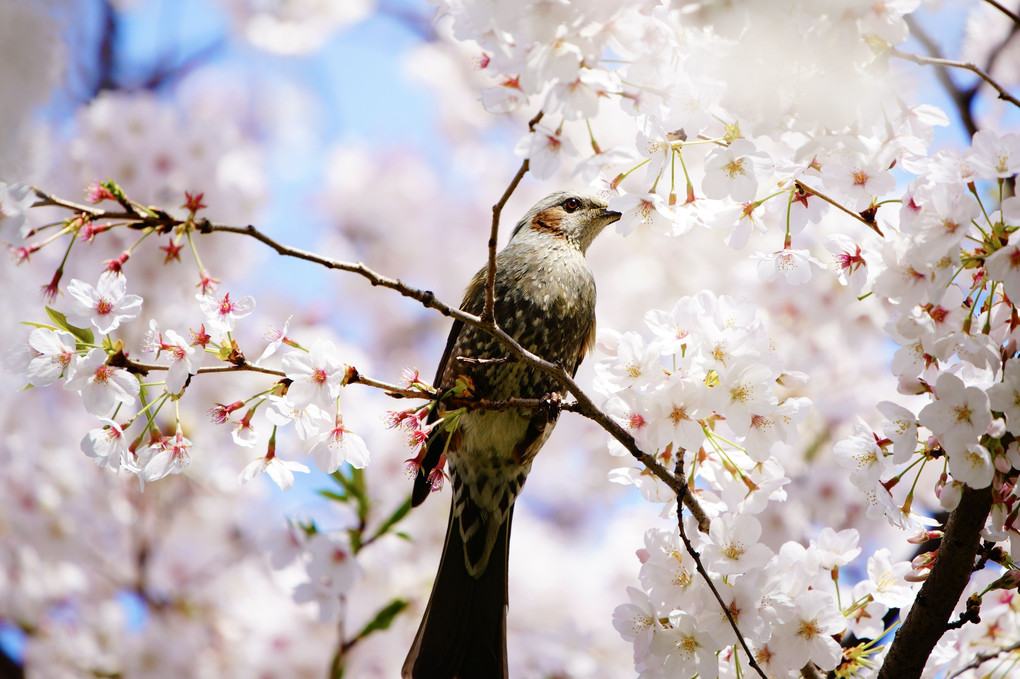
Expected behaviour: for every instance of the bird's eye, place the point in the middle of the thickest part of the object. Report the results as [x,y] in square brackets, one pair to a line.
[571,204]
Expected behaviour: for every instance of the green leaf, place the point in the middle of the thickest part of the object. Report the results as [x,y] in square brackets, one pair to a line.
[384,618]
[338,497]
[355,487]
[354,534]
[38,325]
[83,335]
[394,518]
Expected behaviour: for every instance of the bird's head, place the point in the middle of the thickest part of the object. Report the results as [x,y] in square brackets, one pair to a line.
[575,217]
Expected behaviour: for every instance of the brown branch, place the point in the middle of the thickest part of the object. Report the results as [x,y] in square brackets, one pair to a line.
[678,471]
[584,405]
[1005,10]
[139,367]
[982,658]
[929,615]
[804,188]
[949,63]
[810,671]
[497,210]
[963,100]
[49,200]
[356,378]
[499,360]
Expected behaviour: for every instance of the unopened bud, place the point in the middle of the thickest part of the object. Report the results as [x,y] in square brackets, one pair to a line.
[922,561]
[1009,580]
[1001,463]
[917,576]
[922,536]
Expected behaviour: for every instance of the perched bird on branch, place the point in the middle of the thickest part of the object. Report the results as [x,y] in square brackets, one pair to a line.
[544,299]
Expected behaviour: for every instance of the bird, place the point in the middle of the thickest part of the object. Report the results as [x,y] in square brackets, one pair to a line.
[544,297]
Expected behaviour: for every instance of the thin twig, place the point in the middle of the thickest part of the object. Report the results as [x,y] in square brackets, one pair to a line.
[48,200]
[392,389]
[962,99]
[804,188]
[488,308]
[678,472]
[499,360]
[139,367]
[584,405]
[355,378]
[1005,10]
[949,63]
[982,658]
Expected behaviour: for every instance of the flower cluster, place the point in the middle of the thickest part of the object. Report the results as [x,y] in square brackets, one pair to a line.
[110,385]
[706,387]
[328,561]
[795,131]
[704,134]
[788,618]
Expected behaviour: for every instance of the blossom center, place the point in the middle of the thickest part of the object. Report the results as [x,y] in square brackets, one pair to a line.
[688,645]
[963,413]
[102,374]
[734,168]
[104,306]
[733,551]
[808,629]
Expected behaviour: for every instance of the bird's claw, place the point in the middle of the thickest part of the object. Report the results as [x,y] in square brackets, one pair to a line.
[552,403]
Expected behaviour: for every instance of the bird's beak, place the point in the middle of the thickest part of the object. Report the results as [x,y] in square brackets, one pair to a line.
[610,216]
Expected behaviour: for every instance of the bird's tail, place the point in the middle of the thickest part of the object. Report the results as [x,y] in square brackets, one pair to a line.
[463,633]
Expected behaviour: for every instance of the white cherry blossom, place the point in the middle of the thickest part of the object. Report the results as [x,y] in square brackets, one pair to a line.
[101,386]
[317,374]
[105,306]
[55,352]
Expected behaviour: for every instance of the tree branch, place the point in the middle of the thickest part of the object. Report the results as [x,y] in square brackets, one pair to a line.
[1005,10]
[949,63]
[961,99]
[929,615]
[678,471]
[804,188]
[583,405]
[497,210]
[982,658]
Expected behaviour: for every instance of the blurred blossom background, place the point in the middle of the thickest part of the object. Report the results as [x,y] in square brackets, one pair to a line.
[354,129]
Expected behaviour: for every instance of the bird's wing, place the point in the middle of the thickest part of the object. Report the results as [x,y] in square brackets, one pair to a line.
[474,297]
[436,443]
